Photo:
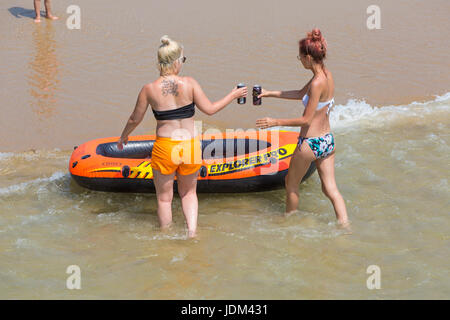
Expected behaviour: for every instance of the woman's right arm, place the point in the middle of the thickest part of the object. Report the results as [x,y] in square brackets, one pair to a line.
[210,108]
[291,95]
[136,117]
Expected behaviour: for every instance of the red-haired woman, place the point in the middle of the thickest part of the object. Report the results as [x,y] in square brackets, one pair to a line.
[315,142]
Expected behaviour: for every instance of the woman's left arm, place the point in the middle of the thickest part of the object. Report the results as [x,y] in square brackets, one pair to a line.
[303,121]
[135,118]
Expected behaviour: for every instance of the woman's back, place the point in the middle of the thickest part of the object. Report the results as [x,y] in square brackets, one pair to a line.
[169,93]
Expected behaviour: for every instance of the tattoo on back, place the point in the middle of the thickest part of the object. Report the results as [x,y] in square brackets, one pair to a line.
[169,87]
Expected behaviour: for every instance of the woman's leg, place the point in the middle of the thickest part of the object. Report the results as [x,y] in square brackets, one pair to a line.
[164,195]
[325,167]
[300,162]
[48,10]
[187,189]
[37,10]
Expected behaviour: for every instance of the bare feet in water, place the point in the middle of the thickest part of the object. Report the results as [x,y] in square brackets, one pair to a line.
[290,213]
[192,234]
[345,225]
[50,17]
[48,11]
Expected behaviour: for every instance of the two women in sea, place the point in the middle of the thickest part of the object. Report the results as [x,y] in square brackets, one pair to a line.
[173,99]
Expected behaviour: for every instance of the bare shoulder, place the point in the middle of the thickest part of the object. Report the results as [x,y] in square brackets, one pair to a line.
[318,83]
[190,81]
[148,90]
[151,86]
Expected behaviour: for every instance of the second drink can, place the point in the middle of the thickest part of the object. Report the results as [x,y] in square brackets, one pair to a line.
[256,92]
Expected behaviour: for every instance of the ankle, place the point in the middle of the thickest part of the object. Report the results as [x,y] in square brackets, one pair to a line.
[343,221]
[192,233]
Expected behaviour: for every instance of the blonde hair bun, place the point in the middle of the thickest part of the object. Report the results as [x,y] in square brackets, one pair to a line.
[168,52]
[165,40]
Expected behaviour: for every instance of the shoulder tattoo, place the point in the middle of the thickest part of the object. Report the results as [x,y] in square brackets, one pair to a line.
[169,87]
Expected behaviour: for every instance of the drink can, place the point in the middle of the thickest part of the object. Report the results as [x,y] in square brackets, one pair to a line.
[241,100]
[256,92]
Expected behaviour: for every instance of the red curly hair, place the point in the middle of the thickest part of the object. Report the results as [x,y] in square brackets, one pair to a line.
[314,45]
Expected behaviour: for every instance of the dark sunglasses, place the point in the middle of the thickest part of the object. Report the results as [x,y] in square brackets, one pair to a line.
[183,59]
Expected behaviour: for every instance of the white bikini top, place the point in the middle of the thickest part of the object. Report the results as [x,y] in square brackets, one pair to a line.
[320,105]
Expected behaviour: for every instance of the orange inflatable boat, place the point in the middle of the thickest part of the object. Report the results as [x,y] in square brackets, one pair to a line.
[231,162]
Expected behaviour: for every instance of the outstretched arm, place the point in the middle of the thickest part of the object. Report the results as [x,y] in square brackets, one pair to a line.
[303,121]
[210,108]
[135,118]
[291,94]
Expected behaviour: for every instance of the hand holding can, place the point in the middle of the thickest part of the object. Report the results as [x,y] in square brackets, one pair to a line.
[241,100]
[256,92]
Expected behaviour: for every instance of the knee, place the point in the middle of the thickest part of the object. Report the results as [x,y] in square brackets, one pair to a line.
[290,186]
[165,198]
[292,189]
[287,183]
[183,193]
[324,190]
[330,192]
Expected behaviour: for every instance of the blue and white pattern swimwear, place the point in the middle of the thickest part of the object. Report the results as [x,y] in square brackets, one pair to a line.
[321,146]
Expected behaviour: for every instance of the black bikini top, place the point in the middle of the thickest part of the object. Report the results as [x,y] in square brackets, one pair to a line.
[179,113]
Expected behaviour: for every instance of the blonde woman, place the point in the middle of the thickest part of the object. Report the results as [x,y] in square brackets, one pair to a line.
[177,149]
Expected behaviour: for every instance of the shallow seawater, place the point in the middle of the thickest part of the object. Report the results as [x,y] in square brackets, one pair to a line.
[391,167]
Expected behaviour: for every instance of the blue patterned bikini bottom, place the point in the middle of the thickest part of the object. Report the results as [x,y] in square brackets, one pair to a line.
[321,146]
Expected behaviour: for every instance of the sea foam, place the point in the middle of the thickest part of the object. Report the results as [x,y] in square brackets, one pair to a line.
[20,187]
[356,112]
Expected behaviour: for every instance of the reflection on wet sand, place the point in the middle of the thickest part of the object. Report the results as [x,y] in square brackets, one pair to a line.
[43,74]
